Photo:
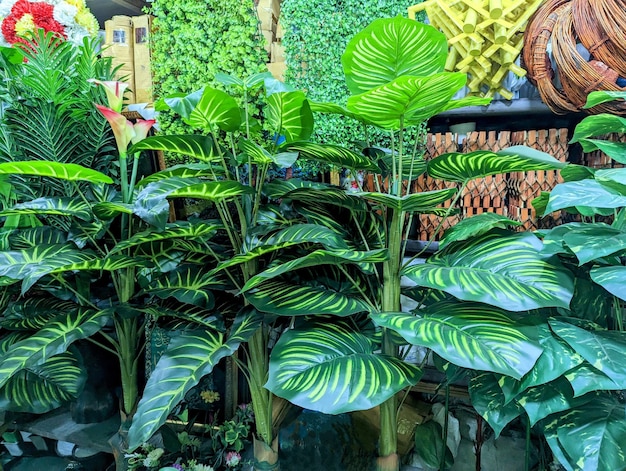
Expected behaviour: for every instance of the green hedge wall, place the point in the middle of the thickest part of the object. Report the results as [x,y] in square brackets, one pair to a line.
[195,39]
[315,36]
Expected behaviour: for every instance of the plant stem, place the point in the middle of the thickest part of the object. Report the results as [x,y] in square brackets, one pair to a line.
[527,453]
[133,176]
[442,458]
[124,177]
[258,363]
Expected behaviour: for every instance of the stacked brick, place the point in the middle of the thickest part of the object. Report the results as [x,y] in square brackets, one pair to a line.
[268,12]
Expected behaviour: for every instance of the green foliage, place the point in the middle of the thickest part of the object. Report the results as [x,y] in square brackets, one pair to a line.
[195,40]
[315,37]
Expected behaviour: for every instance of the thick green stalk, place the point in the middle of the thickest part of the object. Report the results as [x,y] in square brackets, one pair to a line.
[258,362]
[133,176]
[124,177]
[388,444]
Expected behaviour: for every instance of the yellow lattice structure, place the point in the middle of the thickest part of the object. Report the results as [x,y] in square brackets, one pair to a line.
[485,38]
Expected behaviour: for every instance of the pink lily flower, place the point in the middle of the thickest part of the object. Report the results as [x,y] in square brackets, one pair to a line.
[123,130]
[114,91]
[142,128]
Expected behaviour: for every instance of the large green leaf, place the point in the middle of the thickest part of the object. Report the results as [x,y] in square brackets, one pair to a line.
[178,230]
[550,398]
[469,335]
[192,145]
[389,48]
[260,156]
[41,168]
[332,154]
[289,114]
[33,313]
[585,378]
[599,125]
[198,170]
[591,436]
[328,196]
[325,107]
[62,206]
[30,265]
[488,400]
[458,167]
[602,96]
[215,108]
[301,234]
[332,368]
[190,356]
[407,100]
[317,258]
[594,241]
[505,270]
[429,445]
[212,191]
[180,103]
[52,340]
[615,150]
[475,226]
[584,193]
[44,387]
[187,284]
[612,279]
[291,299]
[422,202]
[603,349]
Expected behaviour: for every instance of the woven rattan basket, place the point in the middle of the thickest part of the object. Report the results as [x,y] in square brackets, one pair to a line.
[565,81]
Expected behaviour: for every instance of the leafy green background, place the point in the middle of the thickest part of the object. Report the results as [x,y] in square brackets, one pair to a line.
[196,39]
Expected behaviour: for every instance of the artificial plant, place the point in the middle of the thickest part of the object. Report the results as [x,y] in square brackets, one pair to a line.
[394,69]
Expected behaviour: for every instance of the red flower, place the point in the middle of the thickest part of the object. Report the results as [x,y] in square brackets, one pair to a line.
[43,17]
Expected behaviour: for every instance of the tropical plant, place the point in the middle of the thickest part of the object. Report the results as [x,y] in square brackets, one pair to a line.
[394,68]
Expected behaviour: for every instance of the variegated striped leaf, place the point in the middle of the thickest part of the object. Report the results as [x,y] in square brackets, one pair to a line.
[466,101]
[215,108]
[187,284]
[488,400]
[82,233]
[422,202]
[332,154]
[72,207]
[602,348]
[187,314]
[110,263]
[317,258]
[612,279]
[183,171]
[30,265]
[163,254]
[591,436]
[53,339]
[277,189]
[584,193]
[290,115]
[45,387]
[614,178]
[213,191]
[192,145]
[458,167]
[550,398]
[332,368]
[29,237]
[469,335]
[615,150]
[407,100]
[333,108]
[585,379]
[474,226]
[329,196]
[300,234]
[190,356]
[111,209]
[260,156]
[63,171]
[177,230]
[504,270]
[389,48]
[291,299]
[34,313]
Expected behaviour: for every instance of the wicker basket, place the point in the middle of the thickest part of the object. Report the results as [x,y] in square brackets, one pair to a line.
[561,23]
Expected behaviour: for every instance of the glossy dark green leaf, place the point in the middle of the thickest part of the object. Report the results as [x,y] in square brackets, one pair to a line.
[33,313]
[599,125]
[332,368]
[585,378]
[591,436]
[178,230]
[212,191]
[505,270]
[615,150]
[474,226]
[603,96]
[458,167]
[550,398]
[429,444]
[329,196]
[192,145]
[63,206]
[180,103]
[488,400]
[612,279]
[190,355]
[594,241]
[186,284]
[389,48]
[199,170]
[469,335]
[603,349]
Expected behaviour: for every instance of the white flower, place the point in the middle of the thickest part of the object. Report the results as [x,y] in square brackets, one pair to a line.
[64,13]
